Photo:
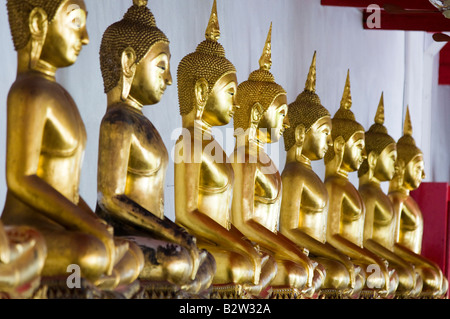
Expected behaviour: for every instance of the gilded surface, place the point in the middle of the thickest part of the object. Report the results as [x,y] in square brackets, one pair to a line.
[261,119]
[204,178]
[46,139]
[380,221]
[409,172]
[133,158]
[345,223]
[304,206]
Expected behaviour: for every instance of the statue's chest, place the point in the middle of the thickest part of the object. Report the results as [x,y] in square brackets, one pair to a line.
[64,131]
[148,153]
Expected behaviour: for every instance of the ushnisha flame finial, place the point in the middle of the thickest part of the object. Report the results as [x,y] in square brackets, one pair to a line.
[310,84]
[379,116]
[265,62]
[346,101]
[407,126]
[212,32]
[140,3]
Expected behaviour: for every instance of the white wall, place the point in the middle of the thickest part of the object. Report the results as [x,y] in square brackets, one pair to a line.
[376,60]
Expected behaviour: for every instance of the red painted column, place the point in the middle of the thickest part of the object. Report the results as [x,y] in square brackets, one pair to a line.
[433,200]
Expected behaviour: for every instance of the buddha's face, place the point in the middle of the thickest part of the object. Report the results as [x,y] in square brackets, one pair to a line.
[354,152]
[318,139]
[274,120]
[152,75]
[66,34]
[385,166]
[221,102]
[414,172]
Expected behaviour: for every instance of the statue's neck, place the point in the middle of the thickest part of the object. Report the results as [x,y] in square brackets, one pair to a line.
[199,126]
[294,155]
[334,168]
[42,68]
[366,179]
[115,97]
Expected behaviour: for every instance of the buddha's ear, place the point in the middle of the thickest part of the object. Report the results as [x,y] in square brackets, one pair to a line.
[201,89]
[299,135]
[256,113]
[372,160]
[38,22]
[338,145]
[399,167]
[128,62]
[38,25]
[399,171]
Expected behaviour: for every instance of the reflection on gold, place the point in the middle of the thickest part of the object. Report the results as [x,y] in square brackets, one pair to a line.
[135,63]
[46,138]
[380,222]
[346,214]
[261,119]
[203,175]
[409,172]
[304,203]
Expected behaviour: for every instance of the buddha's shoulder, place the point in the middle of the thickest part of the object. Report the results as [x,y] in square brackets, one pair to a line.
[297,171]
[120,114]
[34,87]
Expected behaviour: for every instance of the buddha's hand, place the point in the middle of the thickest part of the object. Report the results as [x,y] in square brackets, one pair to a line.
[257,258]
[189,242]
[109,228]
[387,278]
[102,232]
[4,246]
[353,271]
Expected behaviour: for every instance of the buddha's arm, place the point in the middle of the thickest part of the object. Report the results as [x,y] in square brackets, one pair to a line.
[243,218]
[389,255]
[23,152]
[414,258]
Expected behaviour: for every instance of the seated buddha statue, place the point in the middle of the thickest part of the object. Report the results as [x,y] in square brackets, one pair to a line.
[22,257]
[346,213]
[260,119]
[204,177]
[409,172]
[304,203]
[132,163]
[46,139]
[380,222]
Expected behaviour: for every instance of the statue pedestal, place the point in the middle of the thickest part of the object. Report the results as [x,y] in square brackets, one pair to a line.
[56,288]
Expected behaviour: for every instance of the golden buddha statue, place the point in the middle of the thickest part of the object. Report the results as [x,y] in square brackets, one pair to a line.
[304,202]
[22,257]
[380,221]
[409,172]
[260,119]
[46,139]
[132,164]
[346,213]
[204,178]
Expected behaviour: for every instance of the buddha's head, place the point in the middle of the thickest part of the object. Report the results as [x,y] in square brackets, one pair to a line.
[381,149]
[135,56]
[310,122]
[262,102]
[348,151]
[409,169]
[52,31]
[207,81]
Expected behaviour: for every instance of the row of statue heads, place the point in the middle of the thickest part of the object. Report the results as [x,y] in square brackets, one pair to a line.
[239,231]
